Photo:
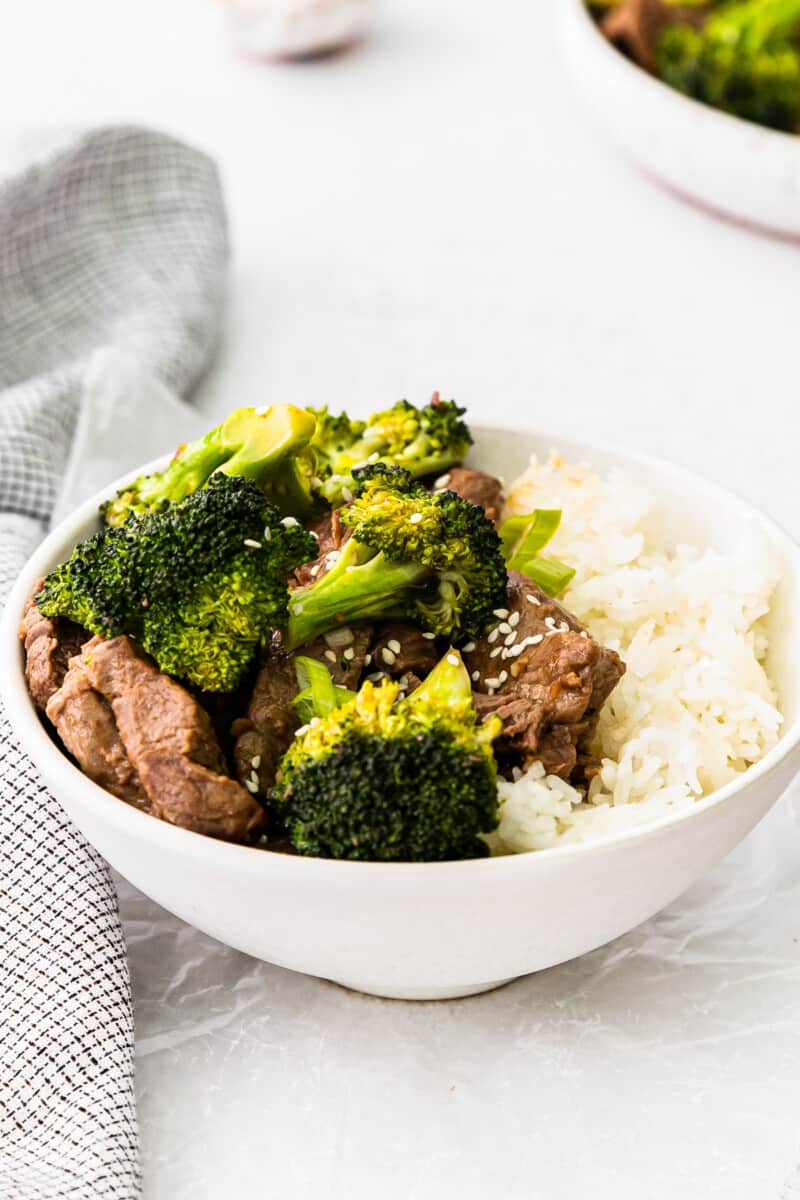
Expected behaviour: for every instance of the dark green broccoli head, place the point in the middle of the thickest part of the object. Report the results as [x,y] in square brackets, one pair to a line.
[745,60]
[442,532]
[262,444]
[92,588]
[435,559]
[424,440]
[200,584]
[394,781]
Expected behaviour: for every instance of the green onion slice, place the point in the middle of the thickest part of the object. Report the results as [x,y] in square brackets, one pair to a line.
[319,695]
[551,575]
[523,537]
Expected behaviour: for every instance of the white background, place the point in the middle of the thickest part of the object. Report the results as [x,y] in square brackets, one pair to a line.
[434,210]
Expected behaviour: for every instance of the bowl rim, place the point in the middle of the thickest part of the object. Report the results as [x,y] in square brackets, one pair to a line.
[584,21]
[35,740]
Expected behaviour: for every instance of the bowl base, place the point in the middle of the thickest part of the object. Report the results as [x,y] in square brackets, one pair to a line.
[421,993]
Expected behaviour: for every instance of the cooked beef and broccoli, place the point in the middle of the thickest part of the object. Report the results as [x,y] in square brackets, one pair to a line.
[741,56]
[319,635]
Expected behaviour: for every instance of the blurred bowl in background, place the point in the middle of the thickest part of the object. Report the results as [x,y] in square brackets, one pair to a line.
[733,167]
[289,29]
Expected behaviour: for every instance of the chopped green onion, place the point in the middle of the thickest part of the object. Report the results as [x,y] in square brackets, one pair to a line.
[551,575]
[317,687]
[524,536]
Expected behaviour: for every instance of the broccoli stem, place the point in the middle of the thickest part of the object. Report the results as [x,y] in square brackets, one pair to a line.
[257,444]
[446,688]
[361,585]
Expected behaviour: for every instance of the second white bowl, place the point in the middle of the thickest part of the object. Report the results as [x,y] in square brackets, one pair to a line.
[734,167]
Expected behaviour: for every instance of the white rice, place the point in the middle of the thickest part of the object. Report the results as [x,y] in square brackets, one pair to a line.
[695,707]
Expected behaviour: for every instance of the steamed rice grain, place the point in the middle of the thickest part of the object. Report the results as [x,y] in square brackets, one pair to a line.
[695,707]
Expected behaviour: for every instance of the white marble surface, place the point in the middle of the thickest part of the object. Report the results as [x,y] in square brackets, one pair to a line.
[434,210]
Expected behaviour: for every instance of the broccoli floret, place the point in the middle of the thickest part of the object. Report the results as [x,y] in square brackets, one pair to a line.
[201,584]
[259,444]
[434,559]
[412,780]
[745,60]
[425,441]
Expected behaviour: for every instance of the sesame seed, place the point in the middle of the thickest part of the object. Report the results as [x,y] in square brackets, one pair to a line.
[339,637]
[511,638]
[313,533]
[314,721]
[288,522]
[504,627]
[254,778]
[502,613]
[263,410]
[251,787]
[255,761]
[314,572]
[494,653]
[387,656]
[373,458]
[494,635]
[453,660]
[375,677]
[252,543]
[349,654]
[267,534]
[564,627]
[303,729]
[347,495]
[331,657]
[503,676]
[429,636]
[315,481]
[442,481]
[550,622]
[532,599]
[476,676]
[394,645]
[494,682]
[490,691]
[515,651]
[470,646]
[367,659]
[534,641]
[513,620]
[415,518]
[584,634]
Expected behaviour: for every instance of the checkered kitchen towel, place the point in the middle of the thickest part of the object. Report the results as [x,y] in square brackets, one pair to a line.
[114,242]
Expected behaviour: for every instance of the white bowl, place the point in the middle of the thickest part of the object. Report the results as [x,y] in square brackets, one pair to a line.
[734,167]
[430,931]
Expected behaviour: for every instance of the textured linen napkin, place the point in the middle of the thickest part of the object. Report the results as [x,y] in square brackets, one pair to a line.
[113,252]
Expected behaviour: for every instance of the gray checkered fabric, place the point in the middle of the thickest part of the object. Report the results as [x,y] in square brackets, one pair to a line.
[117,240]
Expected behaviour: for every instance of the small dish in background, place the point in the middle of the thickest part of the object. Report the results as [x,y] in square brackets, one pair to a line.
[296,29]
